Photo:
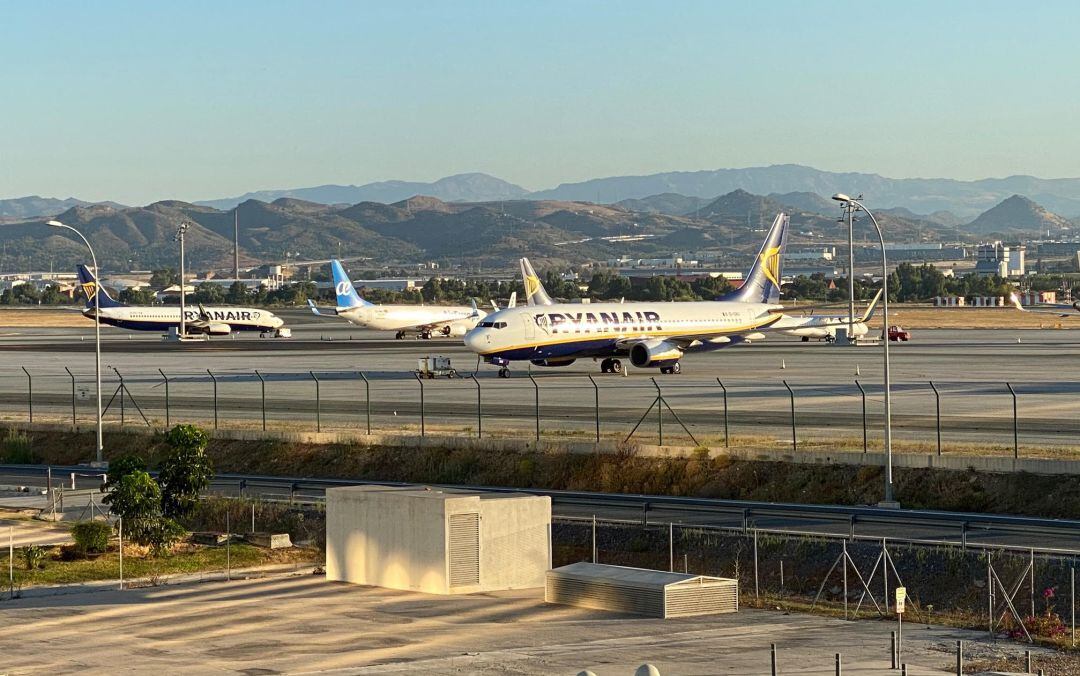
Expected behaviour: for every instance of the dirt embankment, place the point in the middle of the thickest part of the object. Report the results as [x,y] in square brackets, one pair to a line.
[1056,496]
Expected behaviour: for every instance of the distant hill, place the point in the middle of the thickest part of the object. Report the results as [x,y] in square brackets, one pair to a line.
[667,203]
[1018,214]
[34,206]
[474,187]
[807,201]
[921,195]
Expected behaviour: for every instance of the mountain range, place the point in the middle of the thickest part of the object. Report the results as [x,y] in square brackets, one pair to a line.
[948,201]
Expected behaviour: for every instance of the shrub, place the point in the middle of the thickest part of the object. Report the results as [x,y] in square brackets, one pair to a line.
[16,449]
[91,536]
[186,472]
[34,557]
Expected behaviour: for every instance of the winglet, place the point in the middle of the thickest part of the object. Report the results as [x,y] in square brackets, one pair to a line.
[513,300]
[871,307]
[535,292]
[475,310]
[314,309]
[343,287]
[1015,300]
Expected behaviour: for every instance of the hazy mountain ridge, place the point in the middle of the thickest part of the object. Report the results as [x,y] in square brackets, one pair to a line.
[34,206]
[474,187]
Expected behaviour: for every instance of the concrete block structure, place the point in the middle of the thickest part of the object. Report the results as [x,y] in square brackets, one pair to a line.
[436,540]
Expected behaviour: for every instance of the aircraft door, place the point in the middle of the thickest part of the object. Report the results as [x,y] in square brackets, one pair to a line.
[530,326]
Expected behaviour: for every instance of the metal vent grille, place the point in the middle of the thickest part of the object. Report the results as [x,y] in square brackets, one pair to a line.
[683,601]
[464,549]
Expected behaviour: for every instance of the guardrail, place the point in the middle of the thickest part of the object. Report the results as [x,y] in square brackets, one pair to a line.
[1022,533]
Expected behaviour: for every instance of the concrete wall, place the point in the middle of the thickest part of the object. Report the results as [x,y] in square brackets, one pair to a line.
[398,538]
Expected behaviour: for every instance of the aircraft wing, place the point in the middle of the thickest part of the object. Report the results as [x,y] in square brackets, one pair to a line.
[688,340]
[326,311]
[832,319]
[1059,310]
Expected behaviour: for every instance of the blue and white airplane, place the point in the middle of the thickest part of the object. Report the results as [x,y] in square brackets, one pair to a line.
[421,320]
[651,334]
[203,321]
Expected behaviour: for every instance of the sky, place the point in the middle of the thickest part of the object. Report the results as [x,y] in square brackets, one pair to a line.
[136,101]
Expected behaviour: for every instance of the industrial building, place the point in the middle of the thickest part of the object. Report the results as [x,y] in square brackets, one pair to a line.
[1003,260]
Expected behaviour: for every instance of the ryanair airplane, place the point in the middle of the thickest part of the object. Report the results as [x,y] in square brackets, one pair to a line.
[422,320]
[652,335]
[205,321]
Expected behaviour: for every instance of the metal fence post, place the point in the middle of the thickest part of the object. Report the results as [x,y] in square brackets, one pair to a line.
[794,439]
[863,393]
[262,389]
[772,658]
[166,379]
[29,393]
[959,658]
[596,406]
[727,439]
[1072,600]
[536,389]
[72,376]
[671,546]
[1016,429]
[594,538]
[755,566]
[839,665]
[367,399]
[215,398]
[123,391]
[659,411]
[937,414]
[423,429]
[479,408]
[318,402]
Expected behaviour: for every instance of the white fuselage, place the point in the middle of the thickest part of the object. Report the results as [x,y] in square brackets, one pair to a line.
[573,330]
[413,317]
[152,318]
[819,327]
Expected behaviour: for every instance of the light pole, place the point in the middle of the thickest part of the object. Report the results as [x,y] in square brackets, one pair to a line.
[855,205]
[849,209]
[97,333]
[183,288]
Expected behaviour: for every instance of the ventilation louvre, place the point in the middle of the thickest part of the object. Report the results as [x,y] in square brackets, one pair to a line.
[464,549]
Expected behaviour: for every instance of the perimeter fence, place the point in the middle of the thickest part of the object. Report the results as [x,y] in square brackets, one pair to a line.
[1030,418]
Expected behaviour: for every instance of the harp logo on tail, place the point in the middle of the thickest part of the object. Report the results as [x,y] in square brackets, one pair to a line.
[770,264]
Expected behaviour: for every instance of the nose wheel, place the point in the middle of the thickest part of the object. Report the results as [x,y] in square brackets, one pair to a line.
[674,369]
[611,366]
[504,372]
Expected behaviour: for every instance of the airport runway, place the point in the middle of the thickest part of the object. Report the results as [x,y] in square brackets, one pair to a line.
[970,369]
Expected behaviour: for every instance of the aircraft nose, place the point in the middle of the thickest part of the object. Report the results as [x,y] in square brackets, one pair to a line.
[475,340]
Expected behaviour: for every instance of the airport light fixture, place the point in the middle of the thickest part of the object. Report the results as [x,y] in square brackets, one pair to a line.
[180,231]
[97,333]
[853,204]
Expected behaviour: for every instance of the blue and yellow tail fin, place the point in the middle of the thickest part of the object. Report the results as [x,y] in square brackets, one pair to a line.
[89,286]
[762,283]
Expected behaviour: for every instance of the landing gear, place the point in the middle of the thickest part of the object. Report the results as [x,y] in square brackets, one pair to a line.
[445,330]
[504,372]
[425,335]
[830,338]
[400,335]
[611,366]
[806,339]
[674,369]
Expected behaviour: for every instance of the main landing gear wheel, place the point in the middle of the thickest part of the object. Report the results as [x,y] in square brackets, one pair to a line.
[426,335]
[504,372]
[399,335]
[611,366]
[675,369]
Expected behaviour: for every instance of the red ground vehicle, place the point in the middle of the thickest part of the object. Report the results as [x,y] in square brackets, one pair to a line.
[897,333]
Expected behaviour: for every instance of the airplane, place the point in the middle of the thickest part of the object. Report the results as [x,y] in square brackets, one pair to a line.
[823,327]
[651,334]
[422,320]
[1058,309]
[206,321]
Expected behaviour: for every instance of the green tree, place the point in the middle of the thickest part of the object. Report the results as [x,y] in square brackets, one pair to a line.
[136,499]
[238,294]
[163,278]
[186,472]
[208,293]
[137,296]
[121,467]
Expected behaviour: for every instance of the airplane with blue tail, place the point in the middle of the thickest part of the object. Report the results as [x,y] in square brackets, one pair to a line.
[423,321]
[651,334]
[213,321]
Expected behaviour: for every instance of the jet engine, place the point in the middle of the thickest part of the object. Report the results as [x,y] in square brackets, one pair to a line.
[455,330]
[217,329]
[654,352]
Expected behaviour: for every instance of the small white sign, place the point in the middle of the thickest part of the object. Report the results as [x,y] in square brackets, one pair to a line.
[901,596]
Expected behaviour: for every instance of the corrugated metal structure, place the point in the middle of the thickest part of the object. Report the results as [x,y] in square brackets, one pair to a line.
[638,591]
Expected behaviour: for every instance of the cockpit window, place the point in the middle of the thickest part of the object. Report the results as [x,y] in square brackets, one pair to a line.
[500,325]
[492,325]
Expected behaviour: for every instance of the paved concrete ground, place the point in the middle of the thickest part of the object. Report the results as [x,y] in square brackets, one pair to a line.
[25,532]
[307,625]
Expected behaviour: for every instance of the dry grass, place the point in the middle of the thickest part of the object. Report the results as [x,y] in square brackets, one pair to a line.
[22,318]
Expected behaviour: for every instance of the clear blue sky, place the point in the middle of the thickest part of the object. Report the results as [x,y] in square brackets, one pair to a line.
[138,101]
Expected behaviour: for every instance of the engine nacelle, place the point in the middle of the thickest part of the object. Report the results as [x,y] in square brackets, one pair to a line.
[456,330]
[218,329]
[654,352]
[552,362]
